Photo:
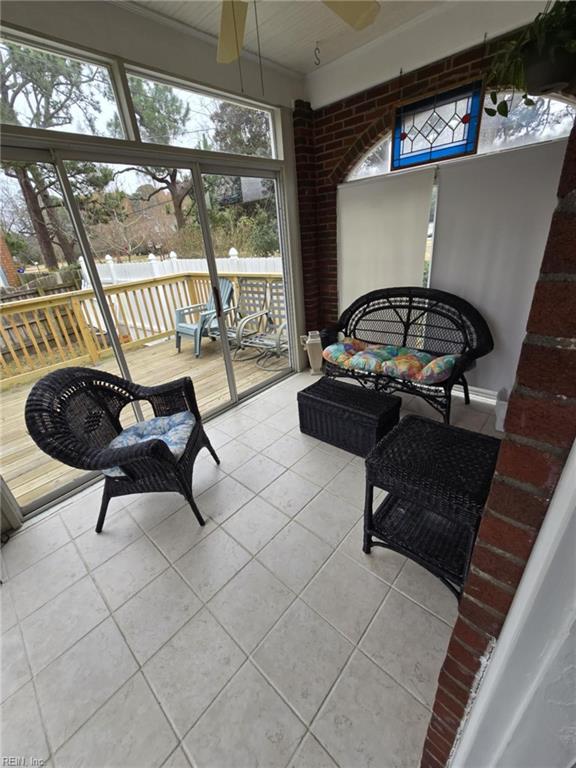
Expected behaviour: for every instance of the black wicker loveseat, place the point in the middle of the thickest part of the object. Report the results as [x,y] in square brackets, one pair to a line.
[416,340]
[73,415]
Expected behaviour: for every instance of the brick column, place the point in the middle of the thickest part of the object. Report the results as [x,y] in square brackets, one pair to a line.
[7,263]
[306,174]
[540,429]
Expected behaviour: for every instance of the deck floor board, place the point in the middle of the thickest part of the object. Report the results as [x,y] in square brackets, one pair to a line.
[31,474]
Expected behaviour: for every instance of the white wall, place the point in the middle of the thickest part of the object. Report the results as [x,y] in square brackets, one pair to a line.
[525,710]
[545,735]
[492,224]
[447,29]
[382,226]
[110,29]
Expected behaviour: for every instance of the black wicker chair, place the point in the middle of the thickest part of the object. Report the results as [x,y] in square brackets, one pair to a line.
[73,414]
[426,319]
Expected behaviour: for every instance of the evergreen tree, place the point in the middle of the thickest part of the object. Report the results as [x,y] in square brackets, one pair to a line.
[163,119]
[44,90]
[241,130]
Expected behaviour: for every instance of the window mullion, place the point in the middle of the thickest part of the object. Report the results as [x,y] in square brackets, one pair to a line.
[124,100]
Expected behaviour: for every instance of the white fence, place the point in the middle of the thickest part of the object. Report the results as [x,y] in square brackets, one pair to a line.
[112,273]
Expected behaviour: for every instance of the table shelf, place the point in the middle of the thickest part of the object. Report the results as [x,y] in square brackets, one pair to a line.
[436,541]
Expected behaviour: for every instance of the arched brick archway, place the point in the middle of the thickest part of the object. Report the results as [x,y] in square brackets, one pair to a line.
[364,143]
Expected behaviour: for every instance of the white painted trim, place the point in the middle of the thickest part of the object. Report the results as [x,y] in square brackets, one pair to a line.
[543,609]
[11,513]
[454,27]
[290,218]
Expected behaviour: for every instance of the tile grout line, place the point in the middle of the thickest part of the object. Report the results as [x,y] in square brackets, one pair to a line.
[249,656]
[355,646]
[35,693]
[139,666]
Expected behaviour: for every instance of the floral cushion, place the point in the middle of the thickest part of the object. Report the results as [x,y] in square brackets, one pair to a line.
[173,430]
[342,352]
[373,358]
[396,362]
[439,369]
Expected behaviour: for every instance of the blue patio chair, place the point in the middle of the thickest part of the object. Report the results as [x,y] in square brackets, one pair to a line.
[186,324]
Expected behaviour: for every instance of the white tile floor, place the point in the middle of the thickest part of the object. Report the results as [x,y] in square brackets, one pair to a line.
[266,638]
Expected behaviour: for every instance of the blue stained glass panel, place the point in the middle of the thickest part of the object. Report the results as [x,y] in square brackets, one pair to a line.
[437,128]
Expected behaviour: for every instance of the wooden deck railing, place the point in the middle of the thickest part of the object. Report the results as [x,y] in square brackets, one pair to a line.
[41,334]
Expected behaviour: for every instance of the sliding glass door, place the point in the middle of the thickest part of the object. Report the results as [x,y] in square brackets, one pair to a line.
[148,245]
[151,272]
[245,234]
[140,235]
[49,318]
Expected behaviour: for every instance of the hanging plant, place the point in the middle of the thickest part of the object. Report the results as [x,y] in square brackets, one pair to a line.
[540,60]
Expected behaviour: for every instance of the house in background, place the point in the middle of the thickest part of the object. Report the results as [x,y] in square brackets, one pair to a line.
[317,164]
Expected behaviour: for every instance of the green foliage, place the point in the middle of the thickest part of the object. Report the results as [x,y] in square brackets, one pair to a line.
[241,130]
[551,34]
[264,234]
[162,115]
[52,90]
[104,207]
[17,245]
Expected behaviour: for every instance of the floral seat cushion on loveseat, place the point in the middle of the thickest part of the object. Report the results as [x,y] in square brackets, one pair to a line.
[173,430]
[389,360]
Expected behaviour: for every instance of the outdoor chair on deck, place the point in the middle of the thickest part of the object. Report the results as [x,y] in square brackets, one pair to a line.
[73,415]
[272,342]
[186,325]
[248,316]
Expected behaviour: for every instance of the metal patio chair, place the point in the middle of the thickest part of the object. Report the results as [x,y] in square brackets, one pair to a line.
[185,323]
[272,342]
[248,316]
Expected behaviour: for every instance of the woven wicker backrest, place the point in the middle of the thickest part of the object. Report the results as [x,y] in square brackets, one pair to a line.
[76,410]
[421,318]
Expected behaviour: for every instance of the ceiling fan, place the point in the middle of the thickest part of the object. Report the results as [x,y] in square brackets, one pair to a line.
[359,14]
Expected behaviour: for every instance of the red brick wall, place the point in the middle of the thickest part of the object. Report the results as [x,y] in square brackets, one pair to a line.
[541,419]
[7,262]
[540,429]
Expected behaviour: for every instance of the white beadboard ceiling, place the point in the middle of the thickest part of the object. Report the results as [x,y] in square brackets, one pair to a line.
[290,29]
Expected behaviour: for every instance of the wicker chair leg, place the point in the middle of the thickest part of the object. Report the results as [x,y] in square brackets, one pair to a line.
[190,500]
[208,445]
[448,406]
[368,502]
[465,388]
[103,510]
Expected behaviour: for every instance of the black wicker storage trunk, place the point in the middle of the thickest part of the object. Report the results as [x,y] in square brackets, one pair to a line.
[345,415]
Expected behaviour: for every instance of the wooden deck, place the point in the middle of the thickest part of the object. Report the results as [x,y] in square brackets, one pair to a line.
[31,474]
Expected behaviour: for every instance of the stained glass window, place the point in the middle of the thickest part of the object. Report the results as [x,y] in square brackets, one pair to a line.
[438,128]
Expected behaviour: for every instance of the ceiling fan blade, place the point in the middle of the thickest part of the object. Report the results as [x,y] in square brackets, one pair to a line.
[359,14]
[232,26]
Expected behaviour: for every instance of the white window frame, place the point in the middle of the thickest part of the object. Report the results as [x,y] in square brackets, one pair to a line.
[119,68]
[22,143]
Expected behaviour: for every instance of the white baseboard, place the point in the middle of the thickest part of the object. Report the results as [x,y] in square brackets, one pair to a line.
[477,393]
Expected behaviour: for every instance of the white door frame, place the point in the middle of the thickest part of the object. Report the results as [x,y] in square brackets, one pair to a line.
[537,626]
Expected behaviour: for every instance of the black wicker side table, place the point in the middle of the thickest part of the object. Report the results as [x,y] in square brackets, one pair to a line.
[437,478]
[347,416]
